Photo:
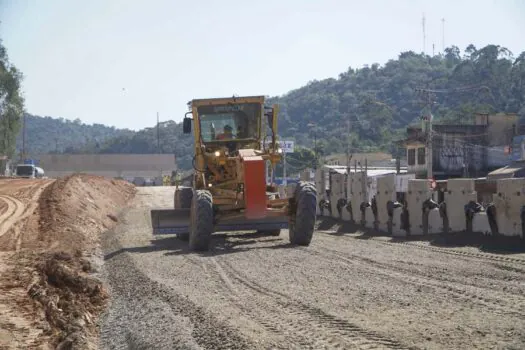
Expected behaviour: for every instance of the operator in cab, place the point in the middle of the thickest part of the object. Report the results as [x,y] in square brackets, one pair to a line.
[226,135]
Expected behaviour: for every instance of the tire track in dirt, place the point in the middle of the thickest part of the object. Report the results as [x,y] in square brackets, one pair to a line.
[450,251]
[514,289]
[281,331]
[501,304]
[295,317]
[15,208]
[36,192]
[18,212]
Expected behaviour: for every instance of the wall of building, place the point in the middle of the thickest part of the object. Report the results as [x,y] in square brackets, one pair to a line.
[111,165]
[416,158]
[460,149]
[500,127]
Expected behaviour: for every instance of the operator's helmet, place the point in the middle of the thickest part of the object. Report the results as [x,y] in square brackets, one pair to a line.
[228,128]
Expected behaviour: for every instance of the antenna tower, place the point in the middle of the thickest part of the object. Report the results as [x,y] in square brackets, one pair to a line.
[443,33]
[424,34]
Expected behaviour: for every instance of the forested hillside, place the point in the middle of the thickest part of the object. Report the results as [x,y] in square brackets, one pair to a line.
[380,100]
[377,102]
[58,135]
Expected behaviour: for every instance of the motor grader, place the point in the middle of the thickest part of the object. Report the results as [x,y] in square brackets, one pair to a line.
[228,190]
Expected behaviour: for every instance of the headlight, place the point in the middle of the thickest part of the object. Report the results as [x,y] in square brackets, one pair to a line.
[209,185]
[217,153]
[279,150]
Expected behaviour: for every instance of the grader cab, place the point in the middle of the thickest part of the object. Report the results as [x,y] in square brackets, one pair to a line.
[228,190]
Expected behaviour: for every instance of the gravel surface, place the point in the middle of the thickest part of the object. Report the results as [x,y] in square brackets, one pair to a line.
[343,291]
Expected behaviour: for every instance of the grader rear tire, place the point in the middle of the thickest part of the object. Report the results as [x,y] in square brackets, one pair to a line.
[302,226]
[201,220]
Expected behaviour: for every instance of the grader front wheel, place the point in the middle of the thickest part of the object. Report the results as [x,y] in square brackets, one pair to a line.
[201,220]
[302,222]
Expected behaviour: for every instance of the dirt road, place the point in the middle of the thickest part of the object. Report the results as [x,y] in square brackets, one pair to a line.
[18,200]
[48,232]
[344,291]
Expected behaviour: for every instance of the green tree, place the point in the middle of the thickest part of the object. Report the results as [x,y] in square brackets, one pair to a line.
[11,104]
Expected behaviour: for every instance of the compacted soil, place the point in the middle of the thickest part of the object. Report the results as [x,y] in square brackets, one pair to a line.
[346,290]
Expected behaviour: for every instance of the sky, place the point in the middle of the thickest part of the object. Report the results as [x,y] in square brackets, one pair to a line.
[120,63]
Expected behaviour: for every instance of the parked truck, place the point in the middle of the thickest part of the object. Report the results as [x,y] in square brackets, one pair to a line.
[29,170]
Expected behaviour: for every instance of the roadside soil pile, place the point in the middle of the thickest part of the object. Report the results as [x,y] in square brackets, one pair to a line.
[52,263]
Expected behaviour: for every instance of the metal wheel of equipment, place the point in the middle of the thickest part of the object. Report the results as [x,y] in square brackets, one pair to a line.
[201,221]
[302,222]
[182,198]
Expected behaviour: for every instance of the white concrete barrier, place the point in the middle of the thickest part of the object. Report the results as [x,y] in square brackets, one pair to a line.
[357,195]
[418,192]
[480,223]
[337,191]
[369,218]
[397,231]
[508,200]
[320,185]
[459,193]
[435,222]
[386,192]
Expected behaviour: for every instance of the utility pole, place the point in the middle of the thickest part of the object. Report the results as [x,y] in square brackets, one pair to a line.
[348,156]
[315,150]
[424,34]
[284,168]
[430,155]
[158,134]
[428,132]
[24,139]
[314,128]
[443,34]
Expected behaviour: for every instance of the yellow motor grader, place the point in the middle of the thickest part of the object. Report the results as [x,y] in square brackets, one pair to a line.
[228,190]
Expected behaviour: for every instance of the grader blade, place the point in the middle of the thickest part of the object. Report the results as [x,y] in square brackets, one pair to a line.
[170,221]
[177,221]
[262,224]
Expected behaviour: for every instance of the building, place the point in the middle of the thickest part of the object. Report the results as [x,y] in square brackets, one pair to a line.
[378,159]
[129,166]
[516,168]
[462,150]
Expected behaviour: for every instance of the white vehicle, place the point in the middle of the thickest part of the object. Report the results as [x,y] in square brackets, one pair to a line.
[29,171]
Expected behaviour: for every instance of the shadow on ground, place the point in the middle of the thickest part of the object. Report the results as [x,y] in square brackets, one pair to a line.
[490,244]
[221,243]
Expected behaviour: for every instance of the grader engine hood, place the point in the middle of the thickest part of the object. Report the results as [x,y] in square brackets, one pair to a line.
[254,184]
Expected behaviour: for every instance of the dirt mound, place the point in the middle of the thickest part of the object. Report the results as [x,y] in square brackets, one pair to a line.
[54,267]
[74,210]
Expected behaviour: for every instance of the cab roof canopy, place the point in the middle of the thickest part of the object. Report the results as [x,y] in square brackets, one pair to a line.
[225,100]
